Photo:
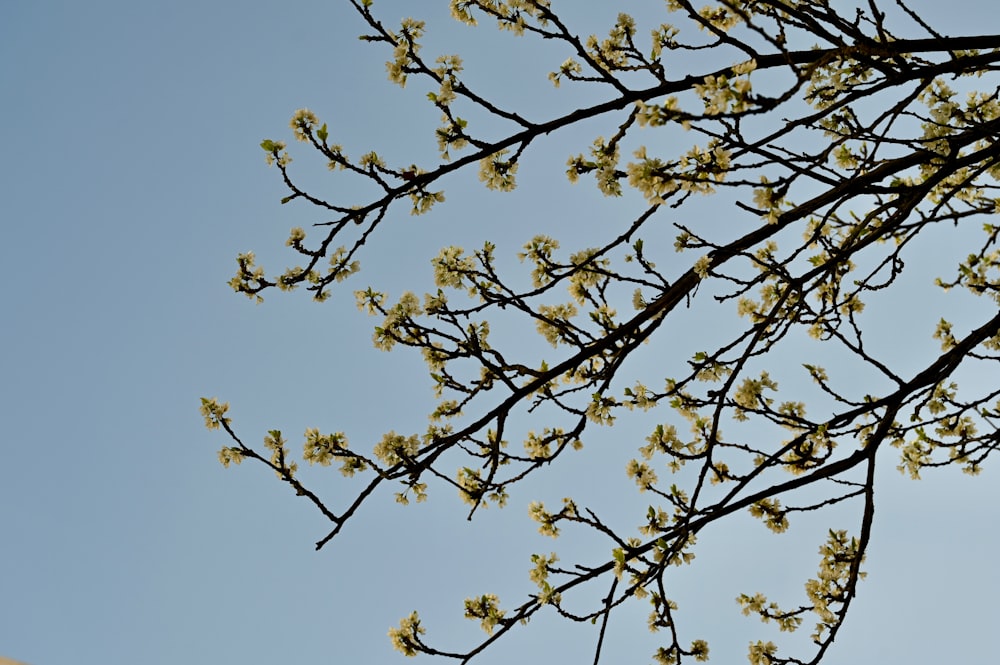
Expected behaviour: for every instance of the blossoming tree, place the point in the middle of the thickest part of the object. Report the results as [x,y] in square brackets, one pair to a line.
[832,140]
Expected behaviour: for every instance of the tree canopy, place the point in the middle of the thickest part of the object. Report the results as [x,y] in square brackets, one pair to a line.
[795,156]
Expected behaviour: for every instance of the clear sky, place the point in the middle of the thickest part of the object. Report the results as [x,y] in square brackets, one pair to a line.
[130,179]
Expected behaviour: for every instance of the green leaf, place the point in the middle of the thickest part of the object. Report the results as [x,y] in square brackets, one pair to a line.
[287,199]
[267,145]
[322,133]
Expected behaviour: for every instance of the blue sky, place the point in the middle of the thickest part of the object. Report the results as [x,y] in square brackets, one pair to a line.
[130,180]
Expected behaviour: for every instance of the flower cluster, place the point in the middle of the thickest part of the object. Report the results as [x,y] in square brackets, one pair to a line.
[322,448]
[303,122]
[840,559]
[214,412]
[498,173]
[405,639]
[406,48]
[486,608]
[769,511]
[395,448]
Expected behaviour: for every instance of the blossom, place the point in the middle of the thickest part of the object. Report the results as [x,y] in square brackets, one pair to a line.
[214,412]
[296,236]
[302,123]
[642,474]
[497,173]
[486,608]
[405,639]
[702,266]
